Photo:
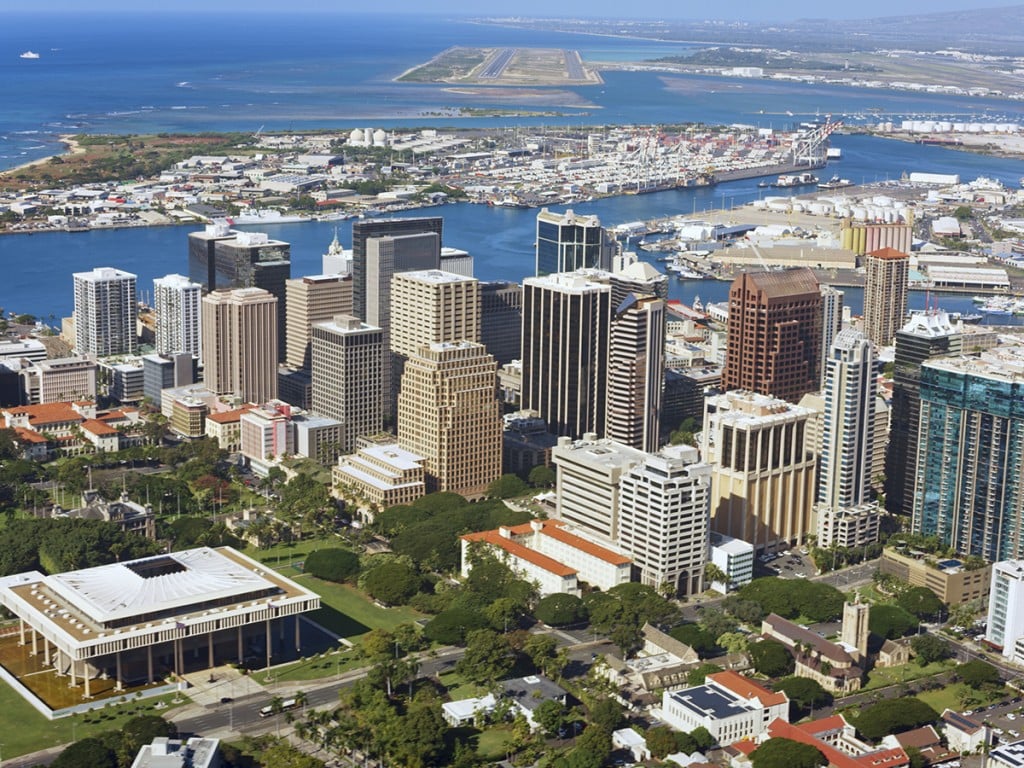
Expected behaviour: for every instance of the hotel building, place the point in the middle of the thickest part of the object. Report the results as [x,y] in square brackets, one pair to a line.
[105,312]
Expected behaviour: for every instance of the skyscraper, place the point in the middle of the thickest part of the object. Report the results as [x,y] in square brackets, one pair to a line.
[763,469]
[774,334]
[969,481]
[220,258]
[844,466]
[105,312]
[448,412]
[365,229]
[636,372]
[240,343]
[176,300]
[566,321]
[430,306]
[567,242]
[885,294]
[925,336]
[831,320]
[347,363]
[312,299]
[501,320]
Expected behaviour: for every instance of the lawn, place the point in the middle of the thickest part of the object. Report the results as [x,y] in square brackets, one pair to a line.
[34,732]
[492,744]
[882,677]
[318,667]
[949,697]
[281,555]
[349,612]
[459,688]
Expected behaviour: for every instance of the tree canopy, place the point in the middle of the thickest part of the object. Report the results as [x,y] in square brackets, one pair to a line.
[786,753]
[622,611]
[921,602]
[803,692]
[57,545]
[791,598]
[560,610]
[977,674]
[929,648]
[893,716]
[771,658]
[890,621]
[332,564]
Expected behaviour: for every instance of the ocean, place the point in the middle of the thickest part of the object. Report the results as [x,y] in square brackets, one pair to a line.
[137,73]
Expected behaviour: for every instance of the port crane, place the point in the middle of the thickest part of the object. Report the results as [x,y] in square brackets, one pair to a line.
[810,147]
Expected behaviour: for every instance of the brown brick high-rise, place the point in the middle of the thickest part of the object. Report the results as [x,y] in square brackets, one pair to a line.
[774,344]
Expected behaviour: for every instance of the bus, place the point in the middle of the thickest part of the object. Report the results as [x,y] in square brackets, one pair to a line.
[287,704]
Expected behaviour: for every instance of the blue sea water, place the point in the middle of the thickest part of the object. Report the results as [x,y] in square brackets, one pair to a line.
[142,73]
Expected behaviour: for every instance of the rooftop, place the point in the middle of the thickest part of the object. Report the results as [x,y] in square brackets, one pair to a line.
[514,548]
[556,530]
[890,254]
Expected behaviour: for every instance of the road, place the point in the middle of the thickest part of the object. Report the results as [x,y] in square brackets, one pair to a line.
[573,65]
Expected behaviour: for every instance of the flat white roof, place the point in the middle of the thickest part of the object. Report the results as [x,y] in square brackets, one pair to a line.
[153,584]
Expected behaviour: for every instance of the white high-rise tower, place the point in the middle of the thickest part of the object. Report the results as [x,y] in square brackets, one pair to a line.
[105,312]
[177,302]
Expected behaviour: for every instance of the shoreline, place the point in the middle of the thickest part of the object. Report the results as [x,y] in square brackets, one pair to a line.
[71,147]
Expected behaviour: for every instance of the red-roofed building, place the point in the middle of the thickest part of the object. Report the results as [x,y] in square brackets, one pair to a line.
[550,545]
[837,741]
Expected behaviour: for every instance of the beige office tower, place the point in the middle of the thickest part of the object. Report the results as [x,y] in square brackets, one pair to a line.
[240,344]
[312,299]
[636,372]
[347,359]
[448,412]
[885,294]
[763,477]
[429,306]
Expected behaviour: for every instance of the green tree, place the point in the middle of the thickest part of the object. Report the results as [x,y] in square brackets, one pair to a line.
[606,713]
[929,648]
[732,642]
[661,740]
[921,602]
[697,675]
[804,693]
[542,476]
[702,738]
[488,657]
[86,753]
[893,716]
[785,753]
[697,638]
[771,658]
[890,621]
[560,610]
[550,716]
[332,564]
[507,487]
[712,573]
[393,583]
[450,626]
[978,674]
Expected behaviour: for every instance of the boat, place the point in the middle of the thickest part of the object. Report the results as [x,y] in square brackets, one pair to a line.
[29,55]
[764,183]
[972,318]
[265,216]
[833,153]
[795,180]
[835,183]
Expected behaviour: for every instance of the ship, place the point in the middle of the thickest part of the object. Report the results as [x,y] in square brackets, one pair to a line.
[835,183]
[29,55]
[795,180]
[265,216]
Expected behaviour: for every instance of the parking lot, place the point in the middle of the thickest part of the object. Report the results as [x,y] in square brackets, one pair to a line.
[789,564]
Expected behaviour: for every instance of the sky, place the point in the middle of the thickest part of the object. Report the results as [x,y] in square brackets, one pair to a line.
[752,10]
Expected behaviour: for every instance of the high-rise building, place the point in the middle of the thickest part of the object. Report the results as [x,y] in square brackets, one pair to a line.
[501,320]
[831,320]
[176,300]
[448,413]
[240,343]
[763,469]
[636,372]
[969,482]
[1005,626]
[430,306]
[366,229]
[663,519]
[639,278]
[312,299]
[347,363]
[456,261]
[588,482]
[774,339]
[105,312]
[887,272]
[337,261]
[848,425]
[567,242]
[220,258]
[566,321]
[160,372]
[925,336]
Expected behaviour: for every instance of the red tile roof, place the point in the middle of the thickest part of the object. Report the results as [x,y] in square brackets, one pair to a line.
[523,553]
[888,253]
[98,428]
[28,435]
[227,417]
[883,758]
[556,530]
[747,688]
[47,413]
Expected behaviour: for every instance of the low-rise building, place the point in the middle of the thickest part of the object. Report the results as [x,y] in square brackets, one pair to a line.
[731,707]
[734,558]
[553,553]
[964,734]
[163,752]
[379,476]
[1007,756]
[950,580]
[226,428]
[832,665]
[847,526]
